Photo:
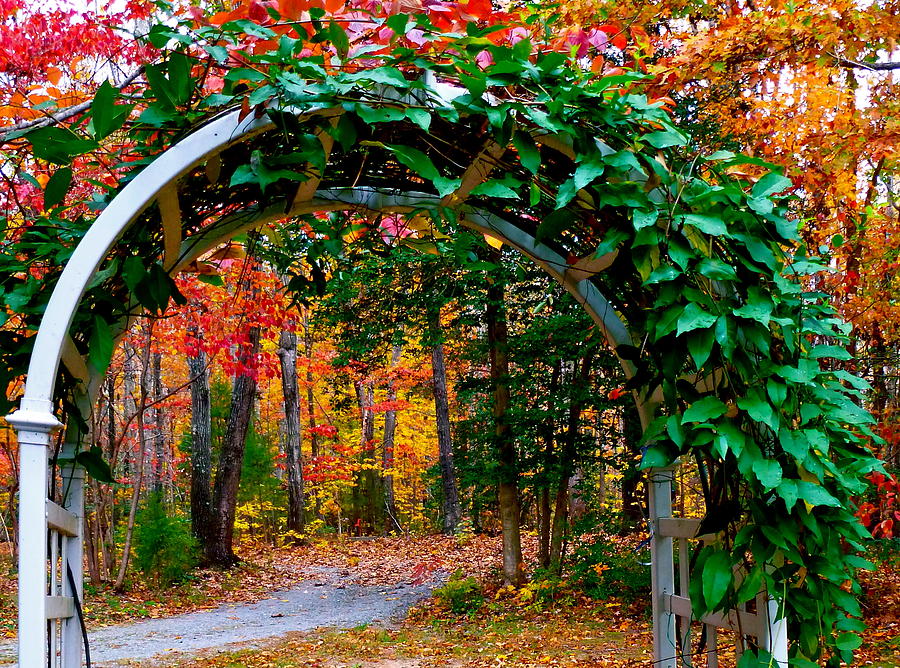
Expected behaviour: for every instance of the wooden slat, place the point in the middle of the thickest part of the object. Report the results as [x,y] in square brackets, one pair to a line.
[677,527]
[170,212]
[476,173]
[74,362]
[746,623]
[307,190]
[60,607]
[61,520]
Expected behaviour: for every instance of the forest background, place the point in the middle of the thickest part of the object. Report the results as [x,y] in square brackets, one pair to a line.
[368,404]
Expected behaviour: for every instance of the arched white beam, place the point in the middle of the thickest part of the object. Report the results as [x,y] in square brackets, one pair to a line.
[34,421]
[374,200]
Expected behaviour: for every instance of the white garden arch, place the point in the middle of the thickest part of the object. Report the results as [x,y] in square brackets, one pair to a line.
[49,631]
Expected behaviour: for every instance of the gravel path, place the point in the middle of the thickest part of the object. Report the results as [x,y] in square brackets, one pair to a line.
[322,601]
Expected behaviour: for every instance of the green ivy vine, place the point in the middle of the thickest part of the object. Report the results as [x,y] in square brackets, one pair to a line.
[745,360]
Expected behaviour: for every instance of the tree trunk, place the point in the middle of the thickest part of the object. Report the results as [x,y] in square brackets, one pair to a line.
[544,514]
[567,464]
[311,401]
[451,509]
[367,488]
[155,416]
[287,354]
[142,447]
[633,502]
[220,551]
[387,457]
[508,484]
[201,446]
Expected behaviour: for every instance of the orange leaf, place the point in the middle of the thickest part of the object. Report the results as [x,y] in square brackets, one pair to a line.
[53,75]
[292,9]
[333,6]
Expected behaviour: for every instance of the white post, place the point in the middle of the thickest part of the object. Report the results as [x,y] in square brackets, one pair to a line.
[34,422]
[775,632]
[73,501]
[662,571]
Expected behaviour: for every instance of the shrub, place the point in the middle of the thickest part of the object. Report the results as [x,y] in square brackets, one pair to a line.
[164,550]
[461,595]
[603,569]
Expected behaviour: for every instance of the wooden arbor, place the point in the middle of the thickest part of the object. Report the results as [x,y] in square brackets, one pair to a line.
[189,210]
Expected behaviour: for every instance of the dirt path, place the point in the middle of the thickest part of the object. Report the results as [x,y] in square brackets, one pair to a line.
[327,599]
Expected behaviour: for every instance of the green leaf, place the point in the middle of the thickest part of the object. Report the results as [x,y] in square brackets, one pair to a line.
[211,279]
[644,219]
[420,117]
[770,184]
[716,270]
[665,138]
[716,579]
[758,408]
[57,187]
[848,642]
[657,456]
[494,188]
[816,495]
[133,272]
[417,161]
[788,491]
[700,345]
[751,585]
[100,347]
[707,408]
[157,115]
[694,317]
[668,320]
[664,272]
[106,115]
[58,145]
[587,172]
[758,307]
[834,352]
[386,75]
[675,430]
[768,472]
[707,224]
[93,462]
[250,28]
[529,155]
[554,224]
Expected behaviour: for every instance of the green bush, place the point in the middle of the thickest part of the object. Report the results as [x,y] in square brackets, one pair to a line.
[164,550]
[605,569]
[461,595]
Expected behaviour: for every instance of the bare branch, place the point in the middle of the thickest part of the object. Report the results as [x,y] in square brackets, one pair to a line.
[873,67]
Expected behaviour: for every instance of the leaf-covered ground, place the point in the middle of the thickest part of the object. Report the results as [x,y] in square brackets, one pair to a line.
[529,627]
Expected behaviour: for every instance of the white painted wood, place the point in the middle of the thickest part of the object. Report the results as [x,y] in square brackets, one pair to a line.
[73,499]
[678,527]
[157,181]
[662,570]
[774,638]
[33,423]
[61,520]
[60,607]
[684,579]
[746,623]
